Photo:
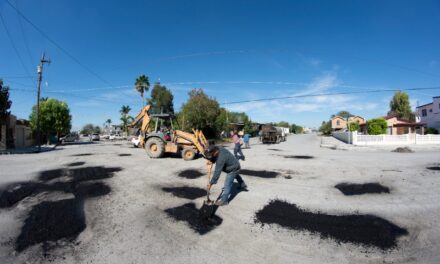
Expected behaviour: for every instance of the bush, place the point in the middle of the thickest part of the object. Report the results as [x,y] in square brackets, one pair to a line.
[431,130]
[377,126]
[326,128]
[354,126]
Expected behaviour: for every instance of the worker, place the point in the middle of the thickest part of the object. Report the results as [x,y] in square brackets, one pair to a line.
[224,161]
[237,146]
[246,139]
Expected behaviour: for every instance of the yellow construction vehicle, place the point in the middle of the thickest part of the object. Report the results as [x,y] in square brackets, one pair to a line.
[161,139]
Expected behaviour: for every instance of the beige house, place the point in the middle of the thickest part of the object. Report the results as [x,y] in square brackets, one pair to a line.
[398,126]
[340,123]
[15,134]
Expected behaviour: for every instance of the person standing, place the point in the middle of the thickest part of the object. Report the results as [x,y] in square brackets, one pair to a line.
[224,161]
[246,139]
[237,146]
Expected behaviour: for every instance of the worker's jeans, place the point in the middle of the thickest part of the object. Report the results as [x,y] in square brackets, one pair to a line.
[229,180]
[237,150]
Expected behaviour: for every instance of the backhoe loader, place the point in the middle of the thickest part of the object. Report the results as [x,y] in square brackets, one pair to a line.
[161,139]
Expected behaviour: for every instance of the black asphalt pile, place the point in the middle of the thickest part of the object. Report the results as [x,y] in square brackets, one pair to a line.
[403,150]
[51,221]
[124,155]
[191,215]
[52,174]
[367,230]
[82,155]
[92,173]
[190,174]
[357,189]
[298,157]
[259,173]
[288,177]
[186,192]
[436,168]
[16,192]
[74,164]
[84,190]
[275,149]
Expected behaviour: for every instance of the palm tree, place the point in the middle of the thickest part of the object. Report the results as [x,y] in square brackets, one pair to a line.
[142,85]
[125,109]
[108,122]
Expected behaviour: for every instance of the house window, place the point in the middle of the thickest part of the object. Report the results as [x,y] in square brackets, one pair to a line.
[430,110]
[338,122]
[424,112]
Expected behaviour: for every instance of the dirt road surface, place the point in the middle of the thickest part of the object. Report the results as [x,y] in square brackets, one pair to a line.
[127,201]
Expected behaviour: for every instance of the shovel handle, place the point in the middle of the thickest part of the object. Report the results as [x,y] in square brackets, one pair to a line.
[210,164]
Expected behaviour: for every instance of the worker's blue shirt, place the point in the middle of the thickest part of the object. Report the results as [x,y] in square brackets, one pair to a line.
[246,137]
[225,162]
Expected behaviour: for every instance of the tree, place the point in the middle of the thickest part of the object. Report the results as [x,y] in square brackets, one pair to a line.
[401,107]
[283,124]
[200,111]
[54,117]
[5,103]
[325,128]
[125,118]
[161,100]
[142,85]
[431,130]
[87,129]
[108,122]
[97,130]
[354,126]
[296,129]
[377,126]
[344,114]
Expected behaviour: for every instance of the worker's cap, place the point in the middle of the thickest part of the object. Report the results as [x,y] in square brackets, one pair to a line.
[209,151]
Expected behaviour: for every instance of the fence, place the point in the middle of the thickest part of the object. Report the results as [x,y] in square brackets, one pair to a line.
[407,139]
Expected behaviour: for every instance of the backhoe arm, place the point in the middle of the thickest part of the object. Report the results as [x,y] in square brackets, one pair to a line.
[143,114]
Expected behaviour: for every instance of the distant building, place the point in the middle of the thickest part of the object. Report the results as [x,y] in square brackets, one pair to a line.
[112,130]
[340,124]
[430,113]
[399,126]
[15,133]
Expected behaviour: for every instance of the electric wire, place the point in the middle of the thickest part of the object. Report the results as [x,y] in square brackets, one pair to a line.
[68,54]
[13,44]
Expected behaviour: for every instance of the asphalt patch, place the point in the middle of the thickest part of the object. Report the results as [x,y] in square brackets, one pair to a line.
[357,189]
[124,155]
[436,168]
[186,192]
[298,157]
[275,149]
[190,174]
[288,177]
[366,230]
[403,150]
[16,192]
[51,221]
[79,174]
[259,173]
[74,164]
[191,215]
[82,155]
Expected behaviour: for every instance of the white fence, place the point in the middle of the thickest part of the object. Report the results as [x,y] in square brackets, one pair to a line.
[407,139]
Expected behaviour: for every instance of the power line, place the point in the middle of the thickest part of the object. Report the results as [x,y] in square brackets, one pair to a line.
[57,45]
[332,94]
[13,44]
[26,42]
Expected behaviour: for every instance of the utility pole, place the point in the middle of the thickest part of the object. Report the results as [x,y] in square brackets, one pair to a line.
[40,77]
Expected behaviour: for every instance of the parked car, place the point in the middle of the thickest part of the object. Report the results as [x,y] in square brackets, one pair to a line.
[68,138]
[112,137]
[94,137]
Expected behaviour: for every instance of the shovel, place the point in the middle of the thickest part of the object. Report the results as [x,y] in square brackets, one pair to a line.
[209,208]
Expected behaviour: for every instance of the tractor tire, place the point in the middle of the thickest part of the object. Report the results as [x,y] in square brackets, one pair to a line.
[188,154]
[155,147]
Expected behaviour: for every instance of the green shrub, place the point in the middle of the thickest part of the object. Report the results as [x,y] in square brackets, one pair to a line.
[354,126]
[431,130]
[377,126]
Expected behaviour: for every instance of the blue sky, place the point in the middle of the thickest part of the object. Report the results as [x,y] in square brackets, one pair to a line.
[235,50]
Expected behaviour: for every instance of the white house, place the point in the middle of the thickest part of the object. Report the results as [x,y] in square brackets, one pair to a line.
[430,113]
